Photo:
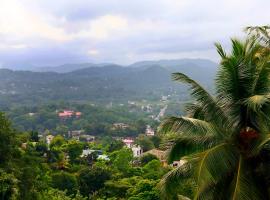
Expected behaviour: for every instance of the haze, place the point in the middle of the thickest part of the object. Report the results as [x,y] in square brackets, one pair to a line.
[44,33]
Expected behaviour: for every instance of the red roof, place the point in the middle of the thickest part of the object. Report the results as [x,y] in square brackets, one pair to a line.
[69,113]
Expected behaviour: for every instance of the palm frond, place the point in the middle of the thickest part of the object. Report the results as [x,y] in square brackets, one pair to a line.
[213,164]
[183,145]
[256,102]
[220,50]
[188,126]
[212,111]
[243,187]
[261,83]
[169,183]
[195,110]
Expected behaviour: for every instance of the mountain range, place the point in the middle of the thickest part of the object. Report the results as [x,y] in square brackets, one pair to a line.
[101,83]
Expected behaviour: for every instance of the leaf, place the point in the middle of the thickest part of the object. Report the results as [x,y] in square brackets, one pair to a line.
[212,111]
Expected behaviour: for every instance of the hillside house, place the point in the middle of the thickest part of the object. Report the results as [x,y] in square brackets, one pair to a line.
[137,150]
[120,126]
[68,114]
[149,131]
[128,142]
[49,139]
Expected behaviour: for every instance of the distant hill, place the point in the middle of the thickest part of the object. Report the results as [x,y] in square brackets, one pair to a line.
[102,84]
[67,67]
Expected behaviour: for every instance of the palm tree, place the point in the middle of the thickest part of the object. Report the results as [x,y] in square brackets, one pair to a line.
[224,138]
[261,32]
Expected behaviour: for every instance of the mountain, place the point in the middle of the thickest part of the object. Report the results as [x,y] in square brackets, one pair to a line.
[68,67]
[102,84]
[176,62]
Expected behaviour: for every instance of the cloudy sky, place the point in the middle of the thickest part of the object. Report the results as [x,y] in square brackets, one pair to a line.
[53,32]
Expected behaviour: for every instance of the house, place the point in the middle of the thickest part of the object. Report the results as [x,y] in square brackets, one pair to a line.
[103,157]
[99,153]
[78,114]
[137,150]
[128,142]
[87,138]
[68,114]
[49,139]
[147,108]
[164,98]
[75,134]
[149,131]
[31,114]
[120,126]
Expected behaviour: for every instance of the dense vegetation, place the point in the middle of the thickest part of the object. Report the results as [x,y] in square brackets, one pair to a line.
[100,85]
[30,169]
[222,143]
[226,137]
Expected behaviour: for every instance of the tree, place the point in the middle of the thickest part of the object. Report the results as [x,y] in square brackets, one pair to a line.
[57,141]
[74,150]
[92,179]
[8,186]
[54,194]
[34,136]
[226,137]
[147,158]
[121,159]
[145,142]
[7,140]
[65,181]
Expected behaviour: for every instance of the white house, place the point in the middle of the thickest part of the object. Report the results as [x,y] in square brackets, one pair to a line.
[149,131]
[49,139]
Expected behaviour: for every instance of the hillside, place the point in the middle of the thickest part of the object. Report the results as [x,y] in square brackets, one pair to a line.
[101,84]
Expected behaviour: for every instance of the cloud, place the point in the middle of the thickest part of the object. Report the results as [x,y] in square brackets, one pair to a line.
[38,32]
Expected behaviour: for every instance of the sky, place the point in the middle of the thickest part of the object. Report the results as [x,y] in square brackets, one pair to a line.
[55,32]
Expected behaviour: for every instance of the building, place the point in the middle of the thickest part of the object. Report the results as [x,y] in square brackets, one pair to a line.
[49,139]
[149,131]
[86,138]
[147,108]
[31,114]
[99,153]
[137,150]
[75,133]
[68,114]
[120,126]
[128,142]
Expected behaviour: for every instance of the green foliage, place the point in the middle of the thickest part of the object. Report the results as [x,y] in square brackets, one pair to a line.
[121,159]
[34,136]
[74,150]
[8,186]
[54,194]
[153,170]
[92,179]
[7,141]
[65,181]
[144,190]
[224,139]
[57,141]
[147,158]
[145,142]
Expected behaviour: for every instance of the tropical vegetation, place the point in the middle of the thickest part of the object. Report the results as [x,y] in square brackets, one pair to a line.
[224,139]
